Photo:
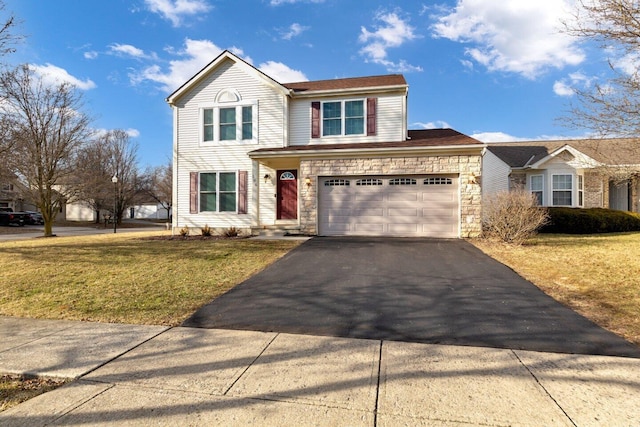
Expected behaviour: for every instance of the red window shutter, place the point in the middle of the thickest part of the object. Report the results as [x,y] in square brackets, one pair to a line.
[315,120]
[372,104]
[193,192]
[242,192]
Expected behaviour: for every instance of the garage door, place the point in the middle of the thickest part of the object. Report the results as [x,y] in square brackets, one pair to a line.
[424,205]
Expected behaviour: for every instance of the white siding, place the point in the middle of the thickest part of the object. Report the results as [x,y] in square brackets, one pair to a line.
[389,121]
[194,156]
[495,174]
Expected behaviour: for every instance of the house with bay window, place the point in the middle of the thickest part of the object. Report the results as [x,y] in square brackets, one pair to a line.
[327,157]
[588,173]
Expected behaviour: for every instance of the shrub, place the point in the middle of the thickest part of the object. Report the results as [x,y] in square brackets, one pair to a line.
[206,231]
[184,231]
[590,221]
[512,216]
[231,232]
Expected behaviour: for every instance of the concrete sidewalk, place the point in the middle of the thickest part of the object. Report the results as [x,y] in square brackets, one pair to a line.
[143,375]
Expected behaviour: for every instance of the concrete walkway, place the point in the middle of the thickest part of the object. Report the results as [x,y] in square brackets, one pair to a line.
[151,375]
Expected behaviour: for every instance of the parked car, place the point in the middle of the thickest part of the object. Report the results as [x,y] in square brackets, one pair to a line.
[33,218]
[9,217]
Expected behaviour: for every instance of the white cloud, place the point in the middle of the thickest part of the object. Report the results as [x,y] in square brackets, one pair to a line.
[488,137]
[512,35]
[498,137]
[195,55]
[438,124]
[281,2]
[176,10]
[133,133]
[129,50]
[92,54]
[392,32]
[282,73]
[294,30]
[52,75]
[568,85]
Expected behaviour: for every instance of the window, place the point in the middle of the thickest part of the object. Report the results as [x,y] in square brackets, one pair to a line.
[230,123]
[369,181]
[562,186]
[227,124]
[403,181]
[438,181]
[247,123]
[580,190]
[208,125]
[343,118]
[536,185]
[218,192]
[336,182]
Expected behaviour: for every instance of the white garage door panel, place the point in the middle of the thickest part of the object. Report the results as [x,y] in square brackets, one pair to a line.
[425,206]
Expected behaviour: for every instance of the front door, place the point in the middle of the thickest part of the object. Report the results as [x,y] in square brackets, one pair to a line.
[287,194]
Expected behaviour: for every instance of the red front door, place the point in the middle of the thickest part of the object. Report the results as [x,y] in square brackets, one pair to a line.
[287,194]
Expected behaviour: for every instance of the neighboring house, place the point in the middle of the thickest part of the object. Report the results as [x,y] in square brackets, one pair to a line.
[82,211]
[330,157]
[12,196]
[600,173]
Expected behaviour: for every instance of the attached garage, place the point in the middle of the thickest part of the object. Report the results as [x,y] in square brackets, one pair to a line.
[403,205]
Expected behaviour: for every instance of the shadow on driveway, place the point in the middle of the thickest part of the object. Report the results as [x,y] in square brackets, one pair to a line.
[416,290]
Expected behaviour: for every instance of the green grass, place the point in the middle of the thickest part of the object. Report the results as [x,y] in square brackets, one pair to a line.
[126,278]
[596,275]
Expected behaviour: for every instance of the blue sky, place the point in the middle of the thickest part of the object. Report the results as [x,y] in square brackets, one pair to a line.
[495,70]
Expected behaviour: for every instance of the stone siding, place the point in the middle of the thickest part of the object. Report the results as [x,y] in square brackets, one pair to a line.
[465,166]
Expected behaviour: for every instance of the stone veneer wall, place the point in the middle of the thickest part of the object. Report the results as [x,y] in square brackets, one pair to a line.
[464,165]
[594,191]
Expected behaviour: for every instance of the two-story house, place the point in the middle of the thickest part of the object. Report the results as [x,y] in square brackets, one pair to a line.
[330,157]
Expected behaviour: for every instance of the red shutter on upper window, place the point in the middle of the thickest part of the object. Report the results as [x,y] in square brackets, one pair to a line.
[371,116]
[193,192]
[315,120]
[242,192]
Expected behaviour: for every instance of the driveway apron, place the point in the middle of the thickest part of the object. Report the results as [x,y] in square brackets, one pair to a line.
[433,291]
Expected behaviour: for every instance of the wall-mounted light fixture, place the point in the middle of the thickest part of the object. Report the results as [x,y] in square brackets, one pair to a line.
[307,181]
[266,178]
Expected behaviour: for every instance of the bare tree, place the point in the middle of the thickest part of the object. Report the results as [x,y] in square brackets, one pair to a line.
[157,183]
[8,41]
[93,176]
[48,128]
[123,165]
[610,108]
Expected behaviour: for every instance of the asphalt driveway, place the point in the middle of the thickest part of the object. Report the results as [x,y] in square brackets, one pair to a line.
[416,290]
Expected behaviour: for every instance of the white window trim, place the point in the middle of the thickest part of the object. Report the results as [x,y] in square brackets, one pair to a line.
[217,211]
[541,190]
[343,118]
[580,189]
[216,122]
[572,189]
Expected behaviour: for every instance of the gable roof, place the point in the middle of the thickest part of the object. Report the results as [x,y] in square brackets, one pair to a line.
[224,56]
[613,151]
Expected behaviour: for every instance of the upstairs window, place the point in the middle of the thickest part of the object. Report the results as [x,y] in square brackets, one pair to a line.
[343,118]
[228,123]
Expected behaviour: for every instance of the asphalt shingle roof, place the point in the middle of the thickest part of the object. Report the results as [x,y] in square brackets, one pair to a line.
[614,151]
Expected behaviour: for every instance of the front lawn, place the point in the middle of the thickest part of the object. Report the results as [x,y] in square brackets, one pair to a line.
[596,275]
[125,277]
